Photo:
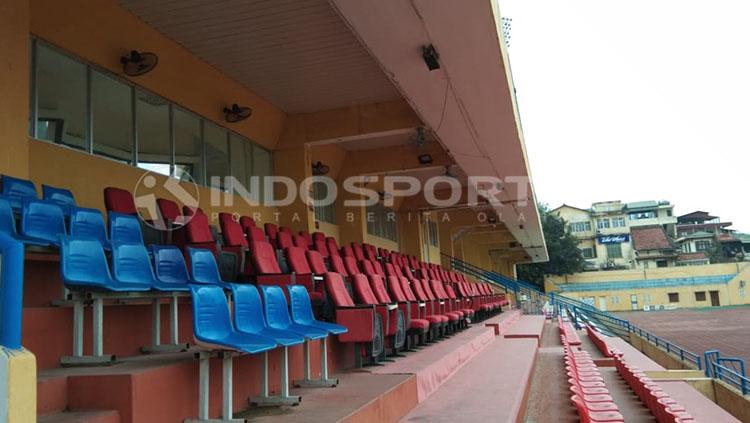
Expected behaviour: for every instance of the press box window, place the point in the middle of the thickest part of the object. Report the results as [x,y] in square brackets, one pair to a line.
[323,213]
[112,115]
[188,154]
[154,143]
[61,99]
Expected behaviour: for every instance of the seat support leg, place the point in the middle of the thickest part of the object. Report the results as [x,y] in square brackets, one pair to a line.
[156,345]
[204,386]
[308,381]
[265,400]
[98,357]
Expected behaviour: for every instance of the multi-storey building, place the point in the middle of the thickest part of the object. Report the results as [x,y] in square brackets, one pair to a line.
[617,235]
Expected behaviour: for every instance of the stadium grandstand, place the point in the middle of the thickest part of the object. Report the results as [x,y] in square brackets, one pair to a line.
[167,253]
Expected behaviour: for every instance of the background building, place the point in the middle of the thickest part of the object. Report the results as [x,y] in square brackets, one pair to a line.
[605,233]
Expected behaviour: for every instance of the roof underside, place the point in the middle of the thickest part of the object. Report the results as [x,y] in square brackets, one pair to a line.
[297,54]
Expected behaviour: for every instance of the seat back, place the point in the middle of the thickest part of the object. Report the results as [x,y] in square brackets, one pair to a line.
[284,240]
[366,266]
[295,258]
[60,196]
[131,264]
[333,246]
[406,287]
[378,268]
[337,265]
[307,237]
[82,262]
[255,234]
[16,189]
[198,229]
[301,242]
[337,290]
[378,288]
[449,291]
[301,307]
[248,310]
[363,291]
[88,223]
[350,264]
[275,306]
[395,290]
[124,229]
[247,222]
[119,200]
[231,231]
[169,211]
[203,266]
[264,258]
[272,231]
[357,250]
[42,220]
[286,229]
[437,289]
[210,312]
[169,265]
[320,246]
[7,221]
[418,290]
[347,251]
[316,262]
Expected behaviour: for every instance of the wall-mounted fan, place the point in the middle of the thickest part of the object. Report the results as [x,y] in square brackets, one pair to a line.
[237,113]
[137,63]
[318,169]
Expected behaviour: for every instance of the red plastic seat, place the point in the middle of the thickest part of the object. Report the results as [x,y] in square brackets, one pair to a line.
[333,246]
[173,221]
[303,274]
[119,200]
[272,231]
[247,222]
[301,242]
[362,321]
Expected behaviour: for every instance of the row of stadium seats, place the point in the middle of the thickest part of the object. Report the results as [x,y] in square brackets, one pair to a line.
[590,394]
[15,191]
[598,339]
[568,331]
[388,301]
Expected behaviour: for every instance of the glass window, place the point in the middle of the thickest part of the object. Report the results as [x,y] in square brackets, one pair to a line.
[381,222]
[702,245]
[674,297]
[217,154]
[323,213]
[700,295]
[433,230]
[618,222]
[61,98]
[587,253]
[154,145]
[602,223]
[111,103]
[187,145]
[262,166]
[580,226]
[614,251]
[241,151]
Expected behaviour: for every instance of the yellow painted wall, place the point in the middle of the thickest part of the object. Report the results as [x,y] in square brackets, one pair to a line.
[657,273]
[735,292]
[87,176]
[14,87]
[101,32]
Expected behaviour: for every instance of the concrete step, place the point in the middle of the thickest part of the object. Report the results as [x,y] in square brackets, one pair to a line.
[94,416]
[51,394]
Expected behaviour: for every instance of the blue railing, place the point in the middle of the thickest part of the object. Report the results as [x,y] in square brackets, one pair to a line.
[728,370]
[11,291]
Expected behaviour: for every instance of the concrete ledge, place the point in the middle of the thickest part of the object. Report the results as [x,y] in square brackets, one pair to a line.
[527,327]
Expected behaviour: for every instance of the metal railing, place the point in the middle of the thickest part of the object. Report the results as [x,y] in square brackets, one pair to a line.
[728,370]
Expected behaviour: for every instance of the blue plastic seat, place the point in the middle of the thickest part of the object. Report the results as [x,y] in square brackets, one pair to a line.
[60,196]
[170,268]
[248,316]
[277,314]
[204,268]
[83,265]
[15,190]
[42,223]
[302,312]
[131,266]
[212,324]
[124,229]
[89,224]
[7,220]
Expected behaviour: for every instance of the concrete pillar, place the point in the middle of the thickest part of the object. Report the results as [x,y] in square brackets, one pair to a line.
[14,86]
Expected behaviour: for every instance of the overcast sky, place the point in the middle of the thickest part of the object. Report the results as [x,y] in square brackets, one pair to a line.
[636,100]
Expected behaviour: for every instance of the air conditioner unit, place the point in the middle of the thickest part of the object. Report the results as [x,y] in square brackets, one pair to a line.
[647,308]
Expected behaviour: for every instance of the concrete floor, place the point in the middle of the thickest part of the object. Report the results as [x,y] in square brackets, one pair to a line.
[549,396]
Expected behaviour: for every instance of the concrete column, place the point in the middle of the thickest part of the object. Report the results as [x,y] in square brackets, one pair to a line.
[14,86]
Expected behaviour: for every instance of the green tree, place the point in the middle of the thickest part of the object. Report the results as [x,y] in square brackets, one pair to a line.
[564,256]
